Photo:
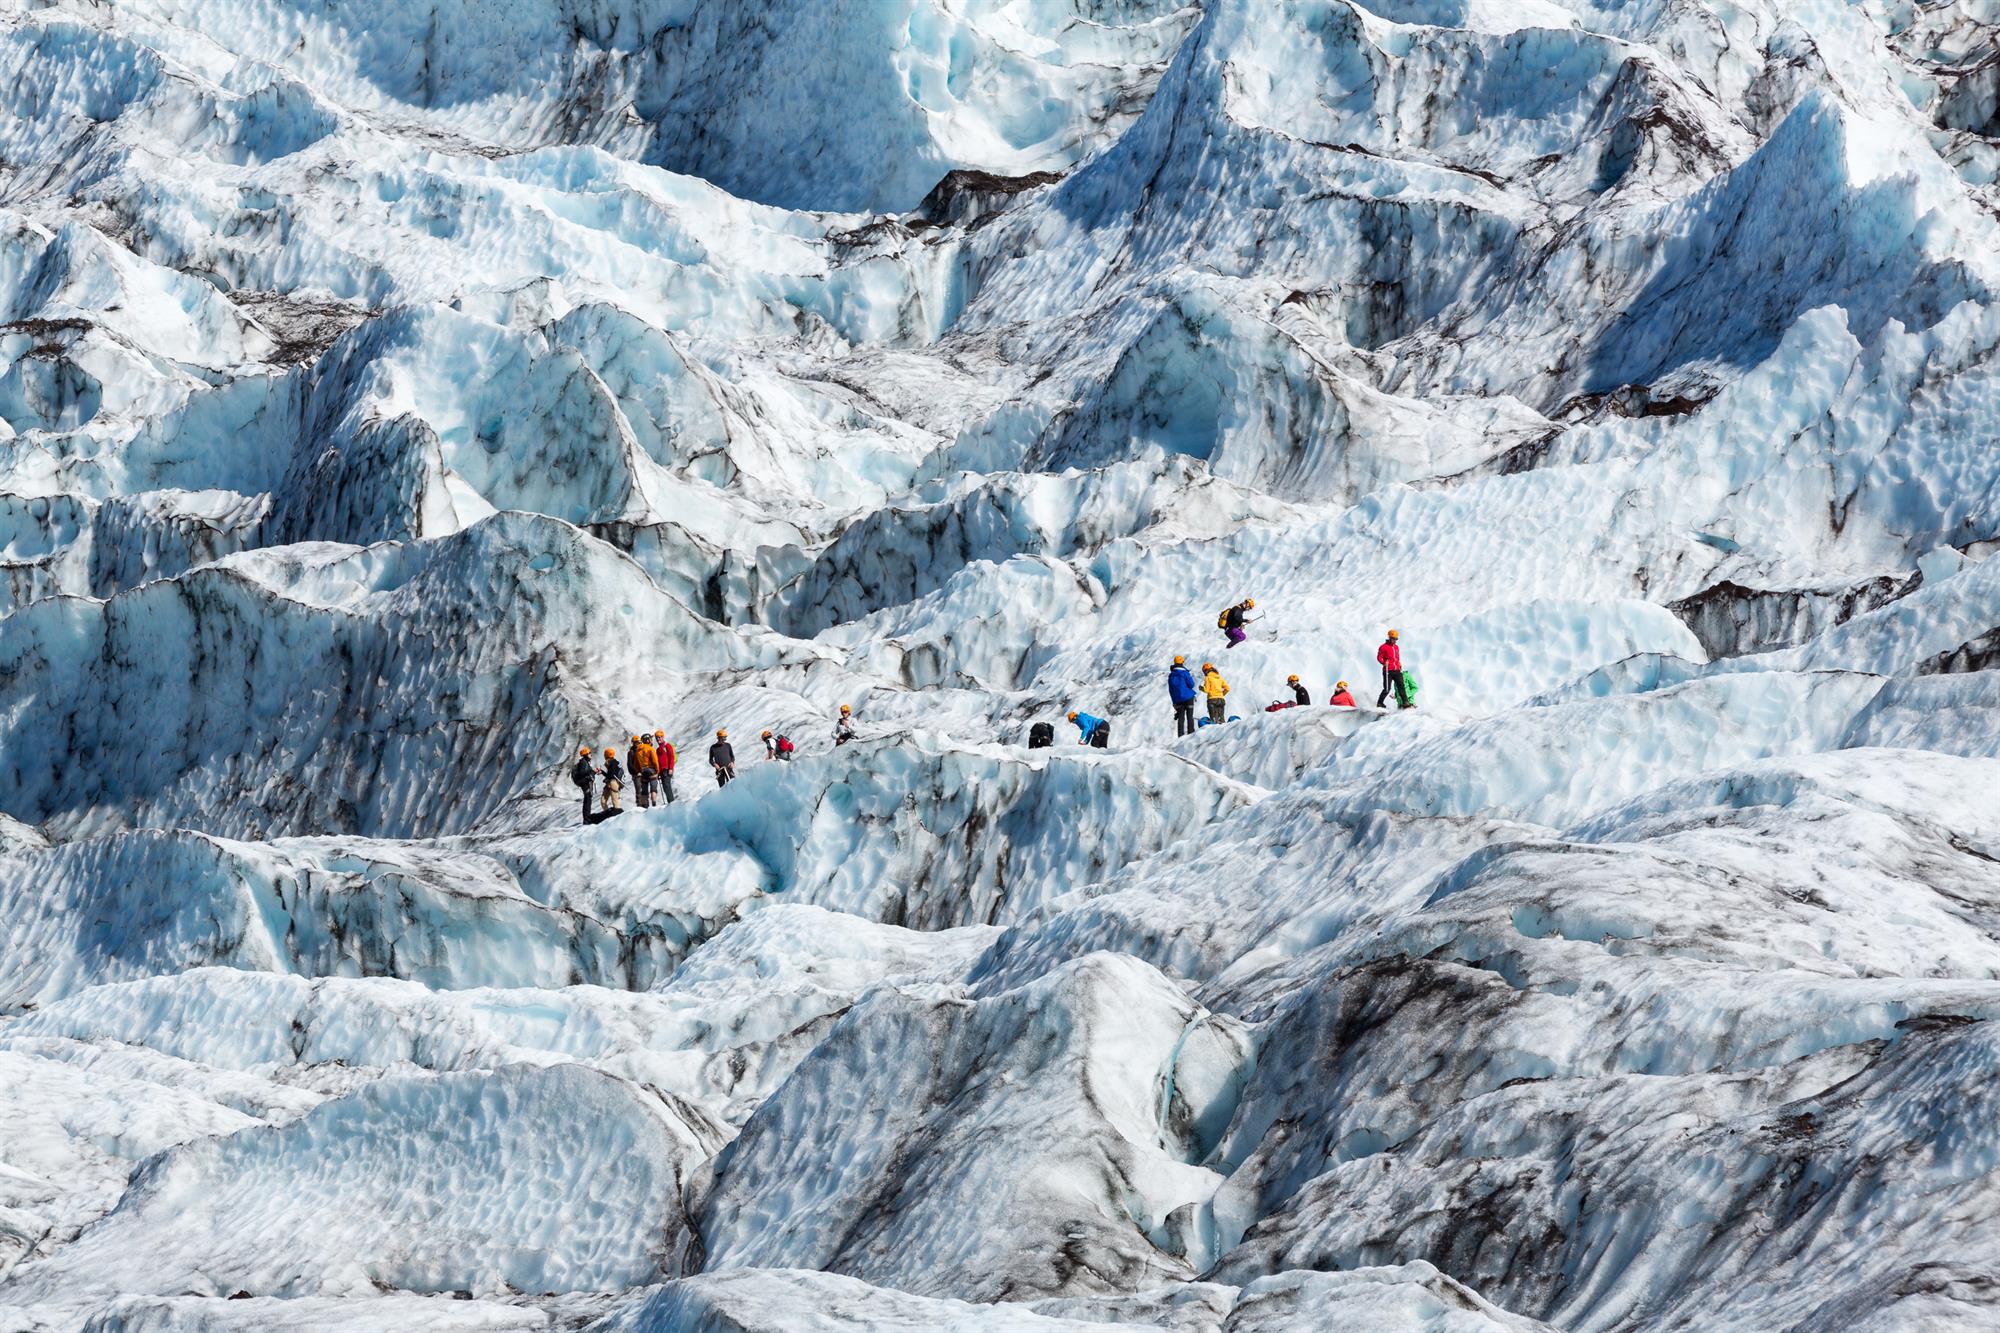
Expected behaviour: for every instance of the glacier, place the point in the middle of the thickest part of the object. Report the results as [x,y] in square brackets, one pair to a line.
[395,398]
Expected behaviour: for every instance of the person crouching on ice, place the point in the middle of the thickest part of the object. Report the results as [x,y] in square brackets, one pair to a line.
[843,726]
[1299,695]
[1096,731]
[1341,698]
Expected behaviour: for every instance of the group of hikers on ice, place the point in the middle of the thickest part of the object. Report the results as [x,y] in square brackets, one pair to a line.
[1183,689]
[652,760]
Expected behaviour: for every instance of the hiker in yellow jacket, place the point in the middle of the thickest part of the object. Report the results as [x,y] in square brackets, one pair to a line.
[1217,689]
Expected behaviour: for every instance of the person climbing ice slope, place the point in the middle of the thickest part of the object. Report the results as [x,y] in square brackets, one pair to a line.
[1181,689]
[1233,619]
[1390,655]
[843,726]
[778,746]
[722,758]
[1096,731]
[1217,690]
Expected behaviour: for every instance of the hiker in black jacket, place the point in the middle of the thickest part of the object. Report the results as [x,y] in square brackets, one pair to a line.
[722,757]
[614,781]
[584,774]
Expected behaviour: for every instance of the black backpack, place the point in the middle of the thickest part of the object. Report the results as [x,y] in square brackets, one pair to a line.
[1041,735]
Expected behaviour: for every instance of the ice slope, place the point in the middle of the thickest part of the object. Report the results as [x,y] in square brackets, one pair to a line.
[1412,1296]
[393,400]
[1100,1046]
[445,1184]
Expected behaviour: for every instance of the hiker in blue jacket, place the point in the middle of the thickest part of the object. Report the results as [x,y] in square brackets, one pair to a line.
[1096,731]
[1182,690]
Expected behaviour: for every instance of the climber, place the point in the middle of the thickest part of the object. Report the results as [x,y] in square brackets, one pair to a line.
[584,774]
[665,754]
[1096,731]
[614,782]
[1341,698]
[722,758]
[1181,689]
[1390,655]
[1299,694]
[843,727]
[778,746]
[1217,689]
[645,769]
[1232,621]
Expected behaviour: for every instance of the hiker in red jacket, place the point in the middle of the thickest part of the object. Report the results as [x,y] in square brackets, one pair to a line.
[1390,655]
[663,755]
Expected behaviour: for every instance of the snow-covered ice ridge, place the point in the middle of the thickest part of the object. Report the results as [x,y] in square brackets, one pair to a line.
[394,397]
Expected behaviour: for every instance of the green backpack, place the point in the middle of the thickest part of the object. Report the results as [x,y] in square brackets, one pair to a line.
[1407,695]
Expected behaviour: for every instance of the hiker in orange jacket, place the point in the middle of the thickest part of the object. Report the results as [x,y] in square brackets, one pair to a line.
[645,769]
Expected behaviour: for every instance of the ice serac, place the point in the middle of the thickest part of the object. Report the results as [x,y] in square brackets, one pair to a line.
[396,399]
[943,1096]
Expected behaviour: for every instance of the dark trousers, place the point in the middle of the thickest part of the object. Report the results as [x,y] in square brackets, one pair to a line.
[1392,683]
[1218,710]
[1101,738]
[644,783]
[724,772]
[586,804]
[1184,719]
[667,785]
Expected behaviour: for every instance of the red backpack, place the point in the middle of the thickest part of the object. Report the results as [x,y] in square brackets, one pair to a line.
[785,745]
